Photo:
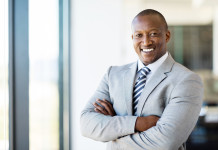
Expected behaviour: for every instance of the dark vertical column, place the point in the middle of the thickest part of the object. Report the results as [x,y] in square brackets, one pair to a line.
[67,142]
[19,74]
[11,95]
[60,84]
[64,75]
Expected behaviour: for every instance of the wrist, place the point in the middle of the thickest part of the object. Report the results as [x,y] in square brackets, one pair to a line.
[139,125]
[144,123]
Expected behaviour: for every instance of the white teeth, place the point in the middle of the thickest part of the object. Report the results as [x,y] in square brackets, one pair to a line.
[147,50]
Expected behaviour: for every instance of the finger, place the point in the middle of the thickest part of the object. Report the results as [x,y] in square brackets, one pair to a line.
[99,108]
[109,108]
[106,106]
[110,105]
[99,111]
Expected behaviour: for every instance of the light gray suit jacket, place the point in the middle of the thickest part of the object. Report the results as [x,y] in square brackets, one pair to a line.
[174,93]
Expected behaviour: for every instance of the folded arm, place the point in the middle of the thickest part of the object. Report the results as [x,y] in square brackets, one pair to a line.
[170,132]
[105,126]
[102,127]
[176,122]
[99,124]
[142,123]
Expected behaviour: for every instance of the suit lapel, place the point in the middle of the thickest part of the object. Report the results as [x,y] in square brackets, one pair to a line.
[155,80]
[128,83]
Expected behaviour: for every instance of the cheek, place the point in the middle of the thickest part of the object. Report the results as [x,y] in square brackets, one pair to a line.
[160,43]
[136,46]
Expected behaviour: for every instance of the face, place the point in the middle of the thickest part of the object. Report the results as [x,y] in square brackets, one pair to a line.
[149,38]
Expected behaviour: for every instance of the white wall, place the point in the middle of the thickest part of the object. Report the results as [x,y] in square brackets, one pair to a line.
[96,44]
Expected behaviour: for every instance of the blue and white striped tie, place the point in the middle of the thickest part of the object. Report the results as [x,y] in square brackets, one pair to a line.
[139,85]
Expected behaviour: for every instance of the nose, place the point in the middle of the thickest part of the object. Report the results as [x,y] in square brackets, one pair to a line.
[146,41]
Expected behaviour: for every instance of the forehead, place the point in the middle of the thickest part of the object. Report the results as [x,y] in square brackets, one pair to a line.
[147,22]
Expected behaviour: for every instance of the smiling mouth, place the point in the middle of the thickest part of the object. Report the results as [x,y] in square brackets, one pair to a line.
[147,50]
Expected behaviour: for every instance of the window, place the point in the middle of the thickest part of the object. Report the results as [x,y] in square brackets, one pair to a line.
[36,75]
[43,74]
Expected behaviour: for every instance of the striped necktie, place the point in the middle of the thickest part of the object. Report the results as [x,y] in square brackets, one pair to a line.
[139,85]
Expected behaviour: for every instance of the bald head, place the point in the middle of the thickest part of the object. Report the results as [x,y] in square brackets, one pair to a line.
[151,12]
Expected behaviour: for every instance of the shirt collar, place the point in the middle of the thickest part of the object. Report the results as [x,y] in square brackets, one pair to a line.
[154,66]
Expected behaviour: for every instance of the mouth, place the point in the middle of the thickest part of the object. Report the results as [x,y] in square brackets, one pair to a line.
[147,50]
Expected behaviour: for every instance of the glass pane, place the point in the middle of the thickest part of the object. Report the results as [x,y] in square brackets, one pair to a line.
[192,46]
[43,57]
[4,99]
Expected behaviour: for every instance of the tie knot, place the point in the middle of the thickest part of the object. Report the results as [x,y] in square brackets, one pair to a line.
[145,71]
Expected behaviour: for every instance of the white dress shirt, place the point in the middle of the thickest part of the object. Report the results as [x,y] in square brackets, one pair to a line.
[153,67]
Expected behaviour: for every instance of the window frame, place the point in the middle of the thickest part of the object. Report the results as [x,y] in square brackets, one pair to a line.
[19,75]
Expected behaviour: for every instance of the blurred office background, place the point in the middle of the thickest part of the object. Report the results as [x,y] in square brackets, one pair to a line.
[53,54]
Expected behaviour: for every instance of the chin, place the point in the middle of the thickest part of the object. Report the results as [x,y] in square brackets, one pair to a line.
[147,62]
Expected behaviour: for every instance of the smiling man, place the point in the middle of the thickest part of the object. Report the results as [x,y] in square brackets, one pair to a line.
[151,104]
[150,35]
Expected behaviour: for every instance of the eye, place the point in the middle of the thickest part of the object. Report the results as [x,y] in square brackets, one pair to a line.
[138,35]
[154,34]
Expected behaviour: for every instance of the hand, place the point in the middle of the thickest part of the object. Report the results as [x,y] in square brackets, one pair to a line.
[107,108]
[144,123]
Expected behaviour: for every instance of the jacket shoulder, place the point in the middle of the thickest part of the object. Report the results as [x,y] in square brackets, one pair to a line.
[122,67]
[182,72]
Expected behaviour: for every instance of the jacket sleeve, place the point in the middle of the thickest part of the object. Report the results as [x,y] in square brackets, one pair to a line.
[176,122]
[100,127]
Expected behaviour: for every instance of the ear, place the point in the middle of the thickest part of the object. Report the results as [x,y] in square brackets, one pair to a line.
[132,37]
[168,35]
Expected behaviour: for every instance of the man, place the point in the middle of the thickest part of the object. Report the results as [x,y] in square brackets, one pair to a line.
[151,104]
